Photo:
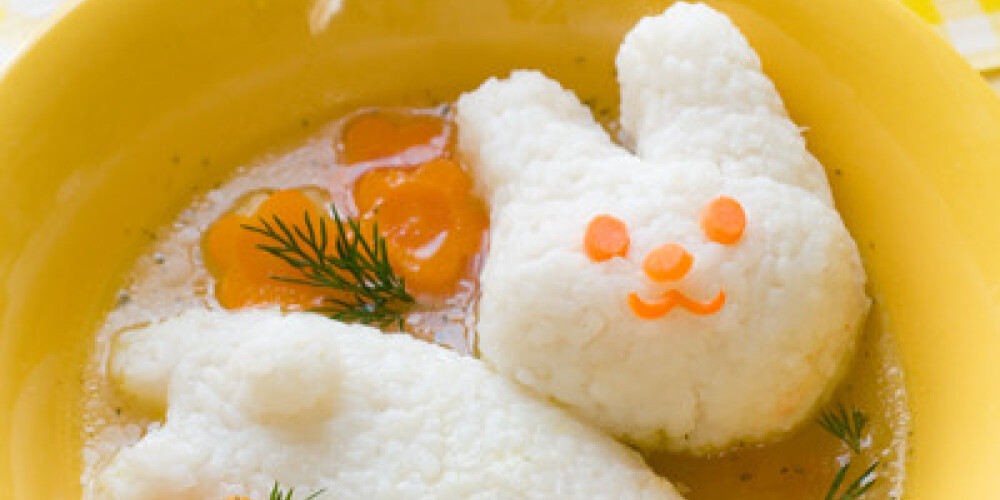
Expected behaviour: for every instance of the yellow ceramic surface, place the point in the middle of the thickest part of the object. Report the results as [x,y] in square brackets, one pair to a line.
[126,108]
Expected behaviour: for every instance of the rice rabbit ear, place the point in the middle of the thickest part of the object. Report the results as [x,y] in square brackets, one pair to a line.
[507,126]
[143,360]
[692,89]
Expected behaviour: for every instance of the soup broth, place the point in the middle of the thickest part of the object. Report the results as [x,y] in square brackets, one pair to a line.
[173,276]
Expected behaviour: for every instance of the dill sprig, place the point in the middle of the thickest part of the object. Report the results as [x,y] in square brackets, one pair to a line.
[358,266]
[846,426]
[857,488]
[278,494]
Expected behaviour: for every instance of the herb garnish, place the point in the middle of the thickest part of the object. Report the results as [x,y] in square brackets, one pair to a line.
[857,488]
[848,427]
[357,266]
[278,494]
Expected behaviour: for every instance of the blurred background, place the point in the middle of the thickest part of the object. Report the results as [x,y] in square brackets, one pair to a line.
[971,26]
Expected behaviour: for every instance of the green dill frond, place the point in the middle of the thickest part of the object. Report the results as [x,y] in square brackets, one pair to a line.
[278,494]
[847,426]
[357,266]
[857,488]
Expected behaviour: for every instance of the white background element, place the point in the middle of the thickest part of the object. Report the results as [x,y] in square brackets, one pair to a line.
[18,21]
[971,34]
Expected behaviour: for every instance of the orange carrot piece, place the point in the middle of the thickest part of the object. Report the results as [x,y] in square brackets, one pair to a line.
[431,219]
[724,220]
[606,237]
[380,135]
[646,310]
[702,308]
[667,263]
[672,299]
[222,240]
[244,273]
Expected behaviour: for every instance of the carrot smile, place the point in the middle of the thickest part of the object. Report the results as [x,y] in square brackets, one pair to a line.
[672,299]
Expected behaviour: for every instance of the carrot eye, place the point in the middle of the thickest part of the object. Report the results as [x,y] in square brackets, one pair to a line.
[606,237]
[724,220]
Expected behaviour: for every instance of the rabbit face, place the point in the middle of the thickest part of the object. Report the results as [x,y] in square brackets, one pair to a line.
[722,221]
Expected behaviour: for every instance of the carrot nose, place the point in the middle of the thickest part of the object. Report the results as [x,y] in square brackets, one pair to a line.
[669,262]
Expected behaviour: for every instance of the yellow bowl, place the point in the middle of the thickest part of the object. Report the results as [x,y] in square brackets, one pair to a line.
[125,108]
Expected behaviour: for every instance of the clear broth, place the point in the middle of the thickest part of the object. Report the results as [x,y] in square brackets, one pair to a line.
[172,277]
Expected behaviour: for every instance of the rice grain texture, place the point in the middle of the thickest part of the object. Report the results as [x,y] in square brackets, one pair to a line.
[703,121]
[258,396]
